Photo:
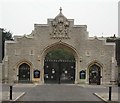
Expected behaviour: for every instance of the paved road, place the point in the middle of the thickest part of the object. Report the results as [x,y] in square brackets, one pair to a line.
[18,87]
[18,90]
[56,92]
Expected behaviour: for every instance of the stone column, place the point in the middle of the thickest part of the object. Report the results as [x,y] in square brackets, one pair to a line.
[6,69]
[76,71]
[113,74]
[0,72]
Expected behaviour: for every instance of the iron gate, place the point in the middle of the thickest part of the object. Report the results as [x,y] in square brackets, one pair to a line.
[59,71]
[94,75]
[24,73]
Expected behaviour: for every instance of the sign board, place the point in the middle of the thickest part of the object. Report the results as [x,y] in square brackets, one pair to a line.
[36,74]
[82,74]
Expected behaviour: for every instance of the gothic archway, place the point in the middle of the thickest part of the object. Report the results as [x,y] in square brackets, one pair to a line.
[24,73]
[95,74]
[60,64]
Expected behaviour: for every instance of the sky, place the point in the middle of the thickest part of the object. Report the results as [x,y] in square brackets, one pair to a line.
[100,16]
[119,19]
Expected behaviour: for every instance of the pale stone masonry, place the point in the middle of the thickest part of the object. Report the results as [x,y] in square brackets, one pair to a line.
[0,72]
[60,32]
[1,30]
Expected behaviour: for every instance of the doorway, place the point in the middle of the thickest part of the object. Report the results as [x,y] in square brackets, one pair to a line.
[24,73]
[95,74]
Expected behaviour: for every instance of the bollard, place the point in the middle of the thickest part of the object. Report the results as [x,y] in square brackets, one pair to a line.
[110,90]
[10,92]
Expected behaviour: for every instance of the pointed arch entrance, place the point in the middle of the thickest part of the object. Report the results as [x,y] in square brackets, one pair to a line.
[60,64]
[95,74]
[24,73]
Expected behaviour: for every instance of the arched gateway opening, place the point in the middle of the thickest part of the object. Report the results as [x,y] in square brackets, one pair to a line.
[59,66]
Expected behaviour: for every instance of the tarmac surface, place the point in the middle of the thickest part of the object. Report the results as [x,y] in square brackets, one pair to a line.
[62,92]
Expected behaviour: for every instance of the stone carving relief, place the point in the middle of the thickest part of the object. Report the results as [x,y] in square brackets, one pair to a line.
[60,27]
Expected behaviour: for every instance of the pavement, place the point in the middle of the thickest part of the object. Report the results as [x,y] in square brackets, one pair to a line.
[19,90]
[15,96]
[99,91]
[105,95]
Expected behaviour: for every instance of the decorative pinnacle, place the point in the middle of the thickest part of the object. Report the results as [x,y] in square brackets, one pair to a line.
[60,9]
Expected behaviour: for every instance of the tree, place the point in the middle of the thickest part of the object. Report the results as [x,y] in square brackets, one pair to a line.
[59,54]
[6,35]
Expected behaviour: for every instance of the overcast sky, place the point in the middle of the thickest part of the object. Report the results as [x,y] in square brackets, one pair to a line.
[100,16]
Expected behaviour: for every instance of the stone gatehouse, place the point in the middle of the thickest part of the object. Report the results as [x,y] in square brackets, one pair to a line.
[93,62]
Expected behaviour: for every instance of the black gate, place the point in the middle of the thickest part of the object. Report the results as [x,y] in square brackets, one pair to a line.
[94,74]
[59,71]
[24,73]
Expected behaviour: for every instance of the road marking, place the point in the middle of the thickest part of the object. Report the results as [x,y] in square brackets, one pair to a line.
[19,96]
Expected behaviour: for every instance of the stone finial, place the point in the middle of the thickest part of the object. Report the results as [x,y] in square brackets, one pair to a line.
[60,9]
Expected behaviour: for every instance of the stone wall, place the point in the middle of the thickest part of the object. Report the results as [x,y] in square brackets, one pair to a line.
[0,72]
[1,45]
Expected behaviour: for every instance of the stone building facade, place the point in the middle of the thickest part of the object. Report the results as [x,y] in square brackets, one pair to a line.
[1,31]
[94,57]
[118,58]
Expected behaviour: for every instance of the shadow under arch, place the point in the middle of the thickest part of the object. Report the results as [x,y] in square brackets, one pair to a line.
[60,44]
[65,46]
[95,69]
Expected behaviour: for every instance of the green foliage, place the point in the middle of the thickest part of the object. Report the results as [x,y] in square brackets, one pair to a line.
[59,54]
[7,35]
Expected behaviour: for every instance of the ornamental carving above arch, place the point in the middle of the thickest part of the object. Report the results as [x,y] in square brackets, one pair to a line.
[60,29]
